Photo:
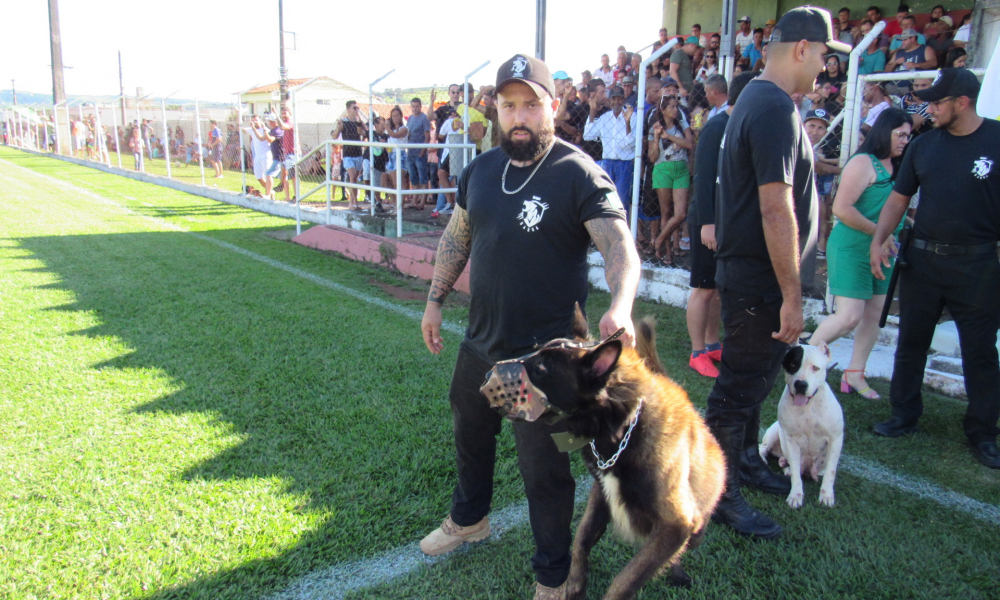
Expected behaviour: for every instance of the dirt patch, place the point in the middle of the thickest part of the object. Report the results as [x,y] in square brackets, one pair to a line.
[283,235]
[399,293]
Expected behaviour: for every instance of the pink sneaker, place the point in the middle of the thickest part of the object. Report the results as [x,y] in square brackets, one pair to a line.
[715,355]
[704,365]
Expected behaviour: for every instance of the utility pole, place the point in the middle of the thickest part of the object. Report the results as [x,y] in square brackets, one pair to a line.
[540,29]
[121,87]
[58,84]
[282,71]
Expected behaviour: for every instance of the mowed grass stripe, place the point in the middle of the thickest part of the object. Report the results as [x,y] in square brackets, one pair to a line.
[407,312]
[259,411]
[930,447]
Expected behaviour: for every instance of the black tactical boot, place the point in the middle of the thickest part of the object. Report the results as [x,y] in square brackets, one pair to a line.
[733,509]
[754,471]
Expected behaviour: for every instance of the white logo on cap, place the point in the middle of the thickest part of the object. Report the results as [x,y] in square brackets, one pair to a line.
[982,167]
[820,112]
[518,66]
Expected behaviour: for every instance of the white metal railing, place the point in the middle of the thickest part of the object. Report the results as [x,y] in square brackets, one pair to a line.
[858,97]
[399,192]
[640,140]
[852,90]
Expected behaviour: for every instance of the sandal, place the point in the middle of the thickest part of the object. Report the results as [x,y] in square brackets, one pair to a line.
[845,388]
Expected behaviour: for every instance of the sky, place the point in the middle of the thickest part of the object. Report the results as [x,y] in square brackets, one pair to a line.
[211,49]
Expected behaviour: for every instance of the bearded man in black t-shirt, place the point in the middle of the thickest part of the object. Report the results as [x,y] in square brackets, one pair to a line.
[526,213]
[765,220]
[951,258]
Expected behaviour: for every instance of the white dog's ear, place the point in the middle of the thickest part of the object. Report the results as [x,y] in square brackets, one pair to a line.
[825,349]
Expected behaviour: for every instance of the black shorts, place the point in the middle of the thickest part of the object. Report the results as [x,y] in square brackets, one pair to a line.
[702,261]
[446,165]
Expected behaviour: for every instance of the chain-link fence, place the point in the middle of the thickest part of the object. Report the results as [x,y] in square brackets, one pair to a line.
[642,127]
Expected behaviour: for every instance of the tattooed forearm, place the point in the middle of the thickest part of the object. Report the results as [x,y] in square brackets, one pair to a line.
[452,255]
[621,261]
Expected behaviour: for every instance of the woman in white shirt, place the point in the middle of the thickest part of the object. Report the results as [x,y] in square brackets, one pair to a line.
[709,66]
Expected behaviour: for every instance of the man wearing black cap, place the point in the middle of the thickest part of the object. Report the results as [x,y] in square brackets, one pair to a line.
[765,220]
[526,213]
[952,258]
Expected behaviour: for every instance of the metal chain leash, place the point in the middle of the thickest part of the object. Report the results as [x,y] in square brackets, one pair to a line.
[604,465]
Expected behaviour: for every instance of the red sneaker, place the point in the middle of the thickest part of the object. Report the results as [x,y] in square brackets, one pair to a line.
[715,355]
[704,365]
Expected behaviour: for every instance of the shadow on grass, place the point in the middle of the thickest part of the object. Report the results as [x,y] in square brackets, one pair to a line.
[334,396]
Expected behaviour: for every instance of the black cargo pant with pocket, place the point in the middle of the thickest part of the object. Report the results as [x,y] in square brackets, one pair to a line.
[548,482]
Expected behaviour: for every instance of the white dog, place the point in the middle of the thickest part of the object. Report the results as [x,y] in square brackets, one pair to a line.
[809,433]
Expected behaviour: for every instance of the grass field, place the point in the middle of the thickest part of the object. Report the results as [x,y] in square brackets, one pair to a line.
[192,408]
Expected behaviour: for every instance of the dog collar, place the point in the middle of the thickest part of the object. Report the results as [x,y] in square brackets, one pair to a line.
[604,465]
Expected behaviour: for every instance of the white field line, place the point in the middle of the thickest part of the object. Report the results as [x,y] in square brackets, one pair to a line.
[335,581]
[321,281]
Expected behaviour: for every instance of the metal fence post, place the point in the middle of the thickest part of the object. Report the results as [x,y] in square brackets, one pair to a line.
[166,135]
[469,153]
[371,131]
[114,124]
[197,141]
[640,121]
[399,192]
[295,145]
[327,182]
[100,138]
[850,101]
[55,121]
[243,158]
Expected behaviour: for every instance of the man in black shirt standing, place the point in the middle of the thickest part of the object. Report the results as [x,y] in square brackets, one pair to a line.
[952,258]
[765,220]
[525,215]
[352,128]
[704,306]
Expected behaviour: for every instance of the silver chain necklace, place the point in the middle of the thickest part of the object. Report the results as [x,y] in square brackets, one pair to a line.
[604,465]
[503,180]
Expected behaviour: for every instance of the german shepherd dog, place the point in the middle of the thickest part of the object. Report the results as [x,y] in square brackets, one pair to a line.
[668,471]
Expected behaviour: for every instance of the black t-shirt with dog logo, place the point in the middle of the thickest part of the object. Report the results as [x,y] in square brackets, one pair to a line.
[528,263]
[959,182]
[764,143]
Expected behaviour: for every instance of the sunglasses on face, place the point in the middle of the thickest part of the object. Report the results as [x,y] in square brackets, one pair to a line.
[902,135]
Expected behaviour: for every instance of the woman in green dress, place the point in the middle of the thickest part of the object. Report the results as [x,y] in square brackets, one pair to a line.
[865,184]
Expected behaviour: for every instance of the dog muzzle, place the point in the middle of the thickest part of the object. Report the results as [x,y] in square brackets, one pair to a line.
[511,392]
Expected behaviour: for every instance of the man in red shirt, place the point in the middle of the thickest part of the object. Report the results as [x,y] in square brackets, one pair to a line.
[895,27]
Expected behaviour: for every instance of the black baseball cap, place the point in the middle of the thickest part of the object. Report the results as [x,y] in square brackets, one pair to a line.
[818,114]
[952,82]
[526,69]
[809,23]
[616,92]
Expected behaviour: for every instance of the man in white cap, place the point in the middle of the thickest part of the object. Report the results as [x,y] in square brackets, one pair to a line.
[525,215]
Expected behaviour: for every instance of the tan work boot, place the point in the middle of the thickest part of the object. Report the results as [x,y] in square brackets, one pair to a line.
[449,536]
[546,593]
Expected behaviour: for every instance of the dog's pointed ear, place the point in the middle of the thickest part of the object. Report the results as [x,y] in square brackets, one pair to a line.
[580,329]
[825,349]
[601,361]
